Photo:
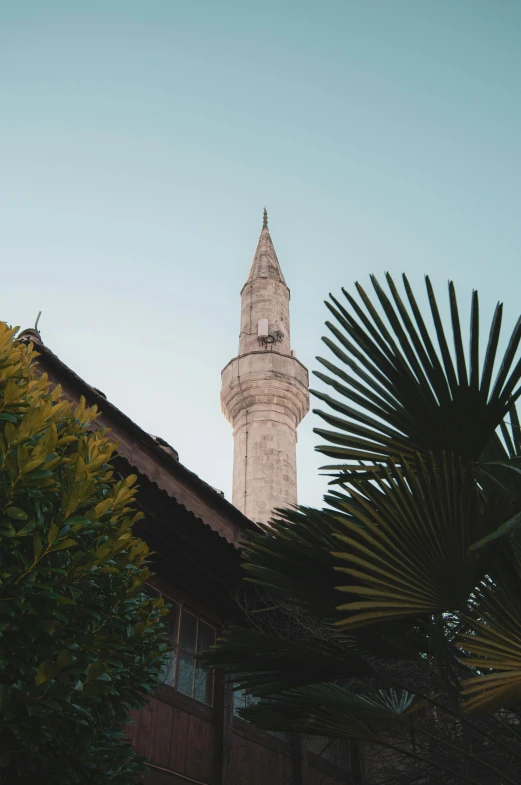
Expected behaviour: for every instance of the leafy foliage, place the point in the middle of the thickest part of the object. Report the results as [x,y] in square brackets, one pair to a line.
[415,567]
[80,643]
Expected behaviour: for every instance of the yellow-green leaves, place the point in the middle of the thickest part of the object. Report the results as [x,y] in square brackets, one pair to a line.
[30,466]
[53,533]
[15,513]
[37,546]
[95,670]
[75,621]
[61,545]
[46,670]
[64,658]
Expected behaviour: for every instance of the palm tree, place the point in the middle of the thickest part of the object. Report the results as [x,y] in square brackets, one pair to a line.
[414,567]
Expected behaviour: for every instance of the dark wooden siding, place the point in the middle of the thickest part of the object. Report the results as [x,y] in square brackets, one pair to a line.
[257,764]
[174,740]
[181,749]
[324,774]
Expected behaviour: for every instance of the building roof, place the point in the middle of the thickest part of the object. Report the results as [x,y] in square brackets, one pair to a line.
[265,263]
[149,455]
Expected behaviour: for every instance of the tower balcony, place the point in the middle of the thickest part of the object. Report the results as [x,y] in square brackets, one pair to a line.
[262,383]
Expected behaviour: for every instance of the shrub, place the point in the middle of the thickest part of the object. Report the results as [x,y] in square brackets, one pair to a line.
[80,641]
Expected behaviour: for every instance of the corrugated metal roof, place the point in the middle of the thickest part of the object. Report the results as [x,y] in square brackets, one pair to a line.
[166,457]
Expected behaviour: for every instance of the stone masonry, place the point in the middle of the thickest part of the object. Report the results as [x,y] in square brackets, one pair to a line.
[264,391]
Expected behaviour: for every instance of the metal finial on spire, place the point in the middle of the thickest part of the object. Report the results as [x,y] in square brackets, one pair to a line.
[265,219]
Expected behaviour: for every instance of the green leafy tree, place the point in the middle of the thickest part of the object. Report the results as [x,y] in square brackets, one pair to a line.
[415,565]
[80,642]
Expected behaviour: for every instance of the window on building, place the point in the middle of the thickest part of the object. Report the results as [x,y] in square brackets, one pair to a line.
[188,635]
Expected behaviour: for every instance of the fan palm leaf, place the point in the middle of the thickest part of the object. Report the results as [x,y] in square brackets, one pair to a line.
[494,645]
[401,394]
[331,710]
[293,558]
[264,664]
[406,541]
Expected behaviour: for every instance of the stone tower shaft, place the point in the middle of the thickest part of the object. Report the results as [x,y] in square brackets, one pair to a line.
[264,391]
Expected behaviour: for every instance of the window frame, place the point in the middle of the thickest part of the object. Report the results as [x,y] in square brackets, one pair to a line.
[182,607]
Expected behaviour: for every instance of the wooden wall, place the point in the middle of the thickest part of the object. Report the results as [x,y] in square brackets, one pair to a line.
[324,773]
[175,740]
[256,762]
[181,748]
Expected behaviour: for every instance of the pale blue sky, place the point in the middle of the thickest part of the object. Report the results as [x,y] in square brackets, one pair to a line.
[140,141]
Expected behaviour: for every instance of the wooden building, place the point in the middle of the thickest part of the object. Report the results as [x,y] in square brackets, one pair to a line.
[190,732]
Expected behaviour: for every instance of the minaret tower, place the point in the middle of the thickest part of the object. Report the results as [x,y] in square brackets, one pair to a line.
[264,391]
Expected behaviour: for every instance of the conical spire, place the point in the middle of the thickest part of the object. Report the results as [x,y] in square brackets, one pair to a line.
[265,263]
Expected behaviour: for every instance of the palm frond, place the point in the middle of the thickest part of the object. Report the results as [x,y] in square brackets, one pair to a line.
[499,475]
[292,557]
[494,643]
[264,664]
[399,393]
[406,541]
[331,710]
